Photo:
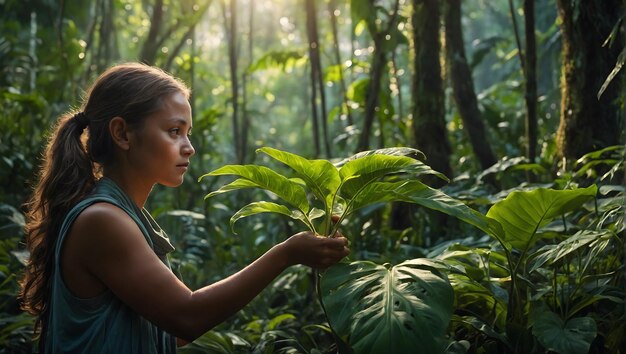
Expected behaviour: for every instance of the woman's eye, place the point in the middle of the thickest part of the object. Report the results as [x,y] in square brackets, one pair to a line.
[175,131]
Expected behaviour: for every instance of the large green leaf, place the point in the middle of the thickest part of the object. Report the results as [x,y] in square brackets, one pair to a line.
[358,173]
[395,151]
[288,190]
[319,175]
[419,193]
[521,214]
[266,207]
[571,337]
[389,309]
[239,183]
[551,254]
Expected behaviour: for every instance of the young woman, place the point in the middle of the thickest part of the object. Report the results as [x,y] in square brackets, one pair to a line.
[98,278]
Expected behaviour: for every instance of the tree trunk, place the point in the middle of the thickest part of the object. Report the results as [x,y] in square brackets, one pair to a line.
[149,49]
[58,24]
[530,76]
[314,125]
[528,63]
[316,69]
[463,86]
[191,18]
[379,62]
[106,34]
[314,119]
[179,46]
[588,124]
[429,122]
[245,117]
[89,44]
[398,83]
[332,7]
[428,110]
[230,25]
[376,73]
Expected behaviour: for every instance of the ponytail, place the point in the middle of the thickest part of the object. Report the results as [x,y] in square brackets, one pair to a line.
[66,175]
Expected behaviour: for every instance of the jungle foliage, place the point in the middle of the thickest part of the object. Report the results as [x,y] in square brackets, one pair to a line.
[384,307]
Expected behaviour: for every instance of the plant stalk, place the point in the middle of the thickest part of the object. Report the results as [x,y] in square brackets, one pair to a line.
[342,347]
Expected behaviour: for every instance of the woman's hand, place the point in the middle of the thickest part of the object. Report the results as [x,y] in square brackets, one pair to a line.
[315,251]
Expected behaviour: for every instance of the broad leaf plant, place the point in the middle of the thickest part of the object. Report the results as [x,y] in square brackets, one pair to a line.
[373,308]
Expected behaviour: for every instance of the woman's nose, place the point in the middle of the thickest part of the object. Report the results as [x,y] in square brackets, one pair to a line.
[188,149]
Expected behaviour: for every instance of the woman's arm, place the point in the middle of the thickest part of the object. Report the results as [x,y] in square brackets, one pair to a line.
[114,250]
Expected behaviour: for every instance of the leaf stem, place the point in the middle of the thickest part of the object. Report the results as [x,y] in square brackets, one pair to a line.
[341,345]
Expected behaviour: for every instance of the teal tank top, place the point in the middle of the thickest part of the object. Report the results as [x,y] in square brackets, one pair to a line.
[104,324]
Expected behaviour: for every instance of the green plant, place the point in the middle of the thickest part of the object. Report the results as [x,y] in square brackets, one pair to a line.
[551,280]
[522,216]
[16,327]
[414,303]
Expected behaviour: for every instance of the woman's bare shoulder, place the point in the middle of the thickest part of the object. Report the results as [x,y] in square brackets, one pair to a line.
[101,232]
[107,226]
[102,211]
[103,217]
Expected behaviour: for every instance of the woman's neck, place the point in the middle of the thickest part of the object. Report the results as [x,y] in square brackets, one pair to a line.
[138,192]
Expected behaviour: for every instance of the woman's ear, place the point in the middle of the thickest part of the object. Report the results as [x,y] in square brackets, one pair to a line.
[119,130]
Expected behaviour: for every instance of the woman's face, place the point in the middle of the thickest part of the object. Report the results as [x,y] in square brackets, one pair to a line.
[162,147]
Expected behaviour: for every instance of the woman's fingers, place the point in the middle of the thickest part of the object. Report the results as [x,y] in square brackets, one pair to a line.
[317,251]
[338,248]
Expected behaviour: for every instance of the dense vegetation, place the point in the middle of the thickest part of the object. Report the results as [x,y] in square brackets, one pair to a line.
[489,220]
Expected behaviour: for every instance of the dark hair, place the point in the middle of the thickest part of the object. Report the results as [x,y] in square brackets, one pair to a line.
[73,161]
